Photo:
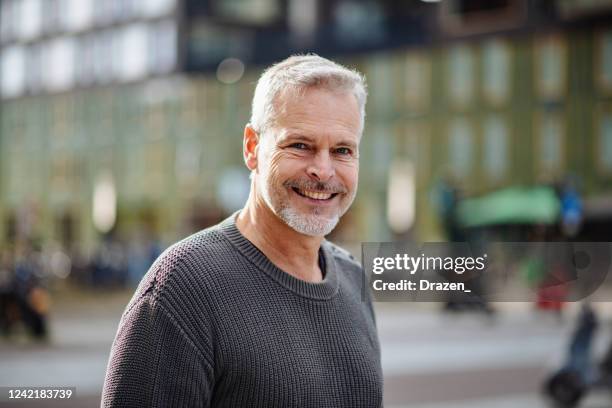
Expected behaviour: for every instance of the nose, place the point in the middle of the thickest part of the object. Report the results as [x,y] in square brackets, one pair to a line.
[321,168]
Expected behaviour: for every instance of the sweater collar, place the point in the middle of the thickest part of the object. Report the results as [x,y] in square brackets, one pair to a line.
[323,290]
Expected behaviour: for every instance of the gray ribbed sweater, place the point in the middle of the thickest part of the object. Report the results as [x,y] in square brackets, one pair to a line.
[215,324]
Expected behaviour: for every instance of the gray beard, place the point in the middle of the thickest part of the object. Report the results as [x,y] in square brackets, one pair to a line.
[312,225]
[307,224]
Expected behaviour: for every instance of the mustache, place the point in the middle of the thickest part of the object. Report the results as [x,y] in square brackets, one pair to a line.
[333,187]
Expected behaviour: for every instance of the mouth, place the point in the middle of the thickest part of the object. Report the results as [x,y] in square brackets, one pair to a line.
[315,195]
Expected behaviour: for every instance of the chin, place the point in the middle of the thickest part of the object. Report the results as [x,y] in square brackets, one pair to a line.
[312,225]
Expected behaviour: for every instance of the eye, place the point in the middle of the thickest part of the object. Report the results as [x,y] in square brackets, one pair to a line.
[344,151]
[299,146]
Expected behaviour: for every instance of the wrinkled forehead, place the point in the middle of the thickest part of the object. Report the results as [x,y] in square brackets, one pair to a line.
[296,94]
[314,107]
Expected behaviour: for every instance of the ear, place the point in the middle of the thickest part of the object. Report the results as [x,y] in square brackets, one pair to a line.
[250,144]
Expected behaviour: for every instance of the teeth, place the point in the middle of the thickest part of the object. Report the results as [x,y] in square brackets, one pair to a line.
[315,195]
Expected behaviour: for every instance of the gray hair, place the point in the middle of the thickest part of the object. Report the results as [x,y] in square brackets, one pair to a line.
[301,72]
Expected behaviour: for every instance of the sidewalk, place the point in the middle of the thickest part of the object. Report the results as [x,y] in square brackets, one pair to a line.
[436,360]
[82,326]
[430,359]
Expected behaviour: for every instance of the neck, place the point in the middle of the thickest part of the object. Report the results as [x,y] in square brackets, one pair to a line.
[294,253]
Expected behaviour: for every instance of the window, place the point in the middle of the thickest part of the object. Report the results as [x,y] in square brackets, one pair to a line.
[418,81]
[162,47]
[79,14]
[495,147]
[496,71]
[155,8]
[155,120]
[50,15]
[378,147]
[62,174]
[13,69]
[550,152]
[117,8]
[59,64]
[103,12]
[8,15]
[31,19]
[382,91]
[605,60]
[133,52]
[17,168]
[132,8]
[135,171]
[550,67]
[361,22]
[155,169]
[461,147]
[187,162]
[604,145]
[460,74]
[416,147]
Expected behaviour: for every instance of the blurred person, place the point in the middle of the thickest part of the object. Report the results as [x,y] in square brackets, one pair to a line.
[142,250]
[545,273]
[260,310]
[448,198]
[80,264]
[29,289]
[109,266]
[56,262]
[8,303]
[137,261]
[572,211]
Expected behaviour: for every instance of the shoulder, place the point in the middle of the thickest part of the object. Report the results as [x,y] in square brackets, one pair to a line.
[186,266]
[343,257]
[180,286]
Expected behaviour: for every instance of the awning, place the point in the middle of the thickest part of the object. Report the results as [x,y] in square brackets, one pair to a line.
[516,205]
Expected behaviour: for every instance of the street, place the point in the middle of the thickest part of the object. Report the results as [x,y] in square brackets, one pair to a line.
[430,359]
[436,360]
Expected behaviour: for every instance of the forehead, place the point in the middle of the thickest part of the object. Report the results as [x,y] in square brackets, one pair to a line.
[318,111]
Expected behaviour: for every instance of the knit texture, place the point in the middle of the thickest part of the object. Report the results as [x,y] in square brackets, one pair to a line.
[214,323]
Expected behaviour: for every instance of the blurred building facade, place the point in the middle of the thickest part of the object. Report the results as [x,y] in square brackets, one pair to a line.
[130,112]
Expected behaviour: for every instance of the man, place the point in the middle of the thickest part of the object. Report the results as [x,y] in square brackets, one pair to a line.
[261,310]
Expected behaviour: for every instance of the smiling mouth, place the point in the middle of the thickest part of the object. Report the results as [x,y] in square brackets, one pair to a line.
[315,195]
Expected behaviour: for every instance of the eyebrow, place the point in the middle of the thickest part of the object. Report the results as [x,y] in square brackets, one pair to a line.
[303,138]
[296,137]
[348,143]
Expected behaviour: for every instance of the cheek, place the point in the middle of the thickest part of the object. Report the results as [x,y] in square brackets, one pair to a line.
[281,168]
[349,175]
